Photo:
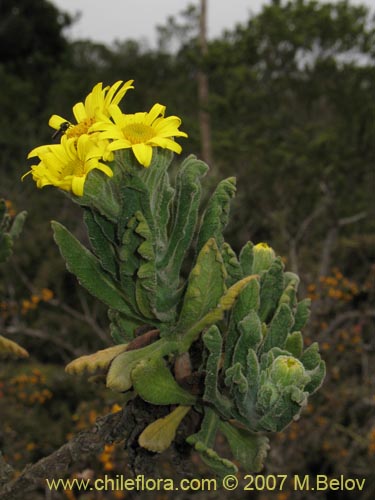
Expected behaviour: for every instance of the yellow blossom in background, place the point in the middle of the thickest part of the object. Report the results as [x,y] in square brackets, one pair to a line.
[141,131]
[95,108]
[66,165]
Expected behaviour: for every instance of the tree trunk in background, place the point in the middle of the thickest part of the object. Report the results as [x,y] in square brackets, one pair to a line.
[203,91]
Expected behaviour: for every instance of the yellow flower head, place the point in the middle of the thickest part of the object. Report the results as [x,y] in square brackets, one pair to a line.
[141,131]
[66,165]
[95,108]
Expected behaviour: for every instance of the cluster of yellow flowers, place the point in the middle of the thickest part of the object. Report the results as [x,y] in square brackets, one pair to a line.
[9,308]
[28,389]
[335,287]
[101,128]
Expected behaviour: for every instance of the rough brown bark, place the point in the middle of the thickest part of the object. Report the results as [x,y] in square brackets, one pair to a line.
[107,430]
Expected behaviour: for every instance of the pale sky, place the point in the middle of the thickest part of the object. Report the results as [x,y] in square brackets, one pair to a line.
[107,20]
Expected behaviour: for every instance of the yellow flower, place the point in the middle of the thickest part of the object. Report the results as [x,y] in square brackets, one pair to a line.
[95,108]
[141,131]
[66,165]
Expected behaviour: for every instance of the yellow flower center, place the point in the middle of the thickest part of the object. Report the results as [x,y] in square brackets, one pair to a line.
[74,167]
[138,133]
[81,128]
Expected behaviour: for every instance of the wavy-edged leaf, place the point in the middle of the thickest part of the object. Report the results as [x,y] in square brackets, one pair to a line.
[206,286]
[98,229]
[145,290]
[85,266]
[215,217]
[216,314]
[271,288]
[183,223]
[302,313]
[204,440]
[156,180]
[246,258]
[317,376]
[294,344]
[213,342]
[279,328]
[247,301]
[249,448]
[232,265]
[99,360]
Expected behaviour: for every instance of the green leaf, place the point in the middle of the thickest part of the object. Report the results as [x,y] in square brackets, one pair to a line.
[205,287]
[279,328]
[250,329]
[183,223]
[213,342]
[294,344]
[100,194]
[101,245]
[248,448]
[247,301]
[271,288]
[122,328]
[156,180]
[204,440]
[86,267]
[154,382]
[216,215]
[232,265]
[302,314]
[146,275]
[119,373]
[289,295]
[317,376]
[246,259]
[311,357]
[215,315]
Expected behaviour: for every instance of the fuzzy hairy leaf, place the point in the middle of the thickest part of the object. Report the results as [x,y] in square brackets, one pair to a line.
[204,440]
[156,180]
[279,328]
[232,265]
[216,215]
[248,448]
[302,313]
[206,285]
[98,229]
[85,266]
[184,219]
[247,301]
[246,258]
[272,286]
[213,342]
[216,314]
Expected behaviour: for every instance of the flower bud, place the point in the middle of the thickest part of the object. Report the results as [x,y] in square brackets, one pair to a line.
[287,370]
[263,256]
